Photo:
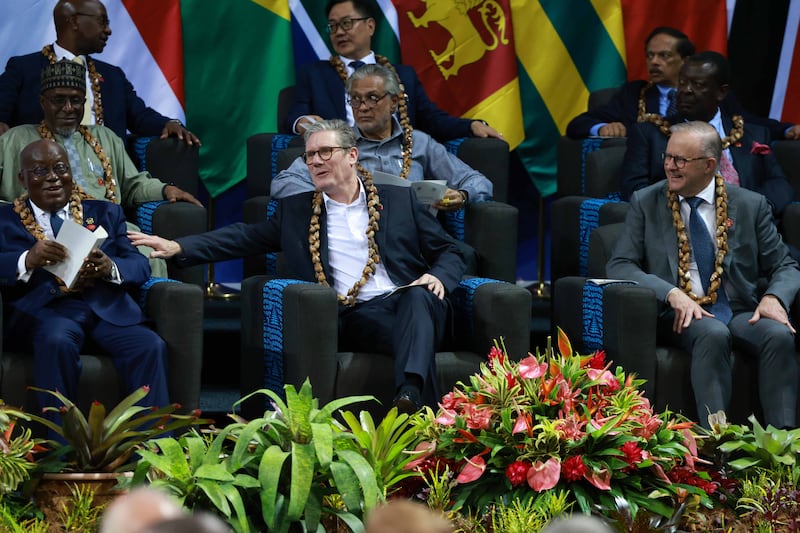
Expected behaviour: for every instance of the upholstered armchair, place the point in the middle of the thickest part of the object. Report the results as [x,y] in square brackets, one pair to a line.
[289,333]
[171,161]
[488,227]
[620,317]
[176,310]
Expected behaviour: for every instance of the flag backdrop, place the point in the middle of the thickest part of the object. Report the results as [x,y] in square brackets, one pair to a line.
[220,65]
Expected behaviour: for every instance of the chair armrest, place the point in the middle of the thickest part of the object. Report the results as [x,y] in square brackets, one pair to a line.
[307,337]
[177,312]
[626,321]
[491,229]
[173,220]
[488,309]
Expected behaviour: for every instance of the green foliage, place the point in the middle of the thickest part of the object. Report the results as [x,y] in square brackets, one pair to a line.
[532,514]
[104,442]
[15,450]
[80,514]
[295,465]
[769,448]
[385,446]
[19,515]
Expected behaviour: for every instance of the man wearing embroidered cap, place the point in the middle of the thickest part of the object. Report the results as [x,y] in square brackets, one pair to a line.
[83,28]
[100,165]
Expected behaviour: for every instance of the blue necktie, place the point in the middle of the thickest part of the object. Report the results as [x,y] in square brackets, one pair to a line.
[355,65]
[704,256]
[55,222]
[672,103]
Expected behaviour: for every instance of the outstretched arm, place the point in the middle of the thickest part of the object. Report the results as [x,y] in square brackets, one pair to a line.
[163,248]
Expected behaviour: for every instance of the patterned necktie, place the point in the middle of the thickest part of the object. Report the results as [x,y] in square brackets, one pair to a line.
[726,168]
[355,65]
[87,112]
[704,255]
[672,103]
[55,222]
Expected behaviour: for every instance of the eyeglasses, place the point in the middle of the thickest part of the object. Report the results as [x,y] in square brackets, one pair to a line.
[101,19]
[345,24]
[61,101]
[39,173]
[371,100]
[679,161]
[324,153]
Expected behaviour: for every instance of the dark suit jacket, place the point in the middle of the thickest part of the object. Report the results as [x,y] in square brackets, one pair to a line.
[410,241]
[761,173]
[320,91]
[122,109]
[647,251]
[108,300]
[623,107]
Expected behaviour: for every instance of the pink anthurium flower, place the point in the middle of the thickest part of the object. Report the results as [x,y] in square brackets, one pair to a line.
[529,368]
[472,470]
[522,424]
[599,478]
[544,475]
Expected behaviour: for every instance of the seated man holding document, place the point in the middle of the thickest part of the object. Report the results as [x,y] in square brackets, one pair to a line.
[52,317]
[387,146]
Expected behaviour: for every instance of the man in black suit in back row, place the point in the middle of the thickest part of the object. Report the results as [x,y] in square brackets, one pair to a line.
[364,241]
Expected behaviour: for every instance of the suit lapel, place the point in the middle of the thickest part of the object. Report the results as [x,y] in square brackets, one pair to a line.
[669,234]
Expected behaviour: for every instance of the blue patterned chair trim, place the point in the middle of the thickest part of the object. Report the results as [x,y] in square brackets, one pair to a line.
[140,151]
[592,312]
[144,215]
[453,145]
[462,300]
[453,223]
[279,142]
[588,146]
[273,332]
[145,288]
[271,258]
[588,220]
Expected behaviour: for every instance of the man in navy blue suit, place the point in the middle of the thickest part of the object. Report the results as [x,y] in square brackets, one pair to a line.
[363,240]
[82,28]
[42,315]
[320,92]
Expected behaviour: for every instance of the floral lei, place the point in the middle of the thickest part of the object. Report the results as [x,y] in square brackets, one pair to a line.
[643,116]
[109,181]
[94,77]
[402,108]
[373,256]
[22,208]
[684,248]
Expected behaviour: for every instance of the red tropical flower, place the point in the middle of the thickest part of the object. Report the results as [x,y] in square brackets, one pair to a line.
[573,468]
[598,360]
[633,453]
[517,472]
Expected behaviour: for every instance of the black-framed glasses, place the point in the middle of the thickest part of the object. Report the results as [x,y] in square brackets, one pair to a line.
[324,153]
[39,173]
[345,24]
[61,100]
[371,100]
[679,161]
[101,19]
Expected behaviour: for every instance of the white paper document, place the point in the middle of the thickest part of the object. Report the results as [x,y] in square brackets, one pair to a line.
[78,241]
[428,191]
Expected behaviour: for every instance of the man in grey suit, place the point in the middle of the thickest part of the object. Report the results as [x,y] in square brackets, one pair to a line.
[662,247]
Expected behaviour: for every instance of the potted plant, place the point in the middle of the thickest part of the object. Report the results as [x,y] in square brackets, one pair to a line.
[98,447]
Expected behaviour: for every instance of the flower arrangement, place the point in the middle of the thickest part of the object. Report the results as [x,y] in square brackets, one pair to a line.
[559,421]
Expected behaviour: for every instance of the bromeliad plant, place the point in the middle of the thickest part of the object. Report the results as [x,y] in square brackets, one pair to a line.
[559,421]
[104,441]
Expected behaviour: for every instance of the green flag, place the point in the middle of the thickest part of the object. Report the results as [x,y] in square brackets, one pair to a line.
[237,58]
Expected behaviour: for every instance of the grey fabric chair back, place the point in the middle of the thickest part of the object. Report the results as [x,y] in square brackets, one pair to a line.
[603,168]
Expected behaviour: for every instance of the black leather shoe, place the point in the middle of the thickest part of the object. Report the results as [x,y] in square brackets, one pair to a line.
[407,401]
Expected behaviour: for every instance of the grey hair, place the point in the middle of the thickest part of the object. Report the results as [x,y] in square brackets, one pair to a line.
[710,143]
[390,82]
[577,524]
[345,135]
